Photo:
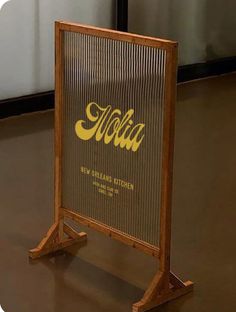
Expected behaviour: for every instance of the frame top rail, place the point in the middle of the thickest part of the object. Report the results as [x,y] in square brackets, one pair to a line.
[118,35]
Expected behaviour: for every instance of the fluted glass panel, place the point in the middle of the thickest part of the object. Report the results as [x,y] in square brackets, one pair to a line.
[113,103]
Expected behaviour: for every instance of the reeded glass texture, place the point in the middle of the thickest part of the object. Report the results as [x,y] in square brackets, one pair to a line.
[115,186]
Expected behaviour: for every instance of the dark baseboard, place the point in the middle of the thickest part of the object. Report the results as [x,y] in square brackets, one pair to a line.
[45,100]
[26,104]
[208,69]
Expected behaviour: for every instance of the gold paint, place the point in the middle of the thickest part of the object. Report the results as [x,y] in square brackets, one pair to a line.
[108,125]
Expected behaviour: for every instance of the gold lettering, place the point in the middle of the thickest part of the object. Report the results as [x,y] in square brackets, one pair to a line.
[103,123]
[87,134]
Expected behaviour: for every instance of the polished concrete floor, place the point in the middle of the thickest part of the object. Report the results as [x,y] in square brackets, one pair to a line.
[104,275]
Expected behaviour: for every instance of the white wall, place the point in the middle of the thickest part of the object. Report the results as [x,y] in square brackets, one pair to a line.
[27,39]
[205,29]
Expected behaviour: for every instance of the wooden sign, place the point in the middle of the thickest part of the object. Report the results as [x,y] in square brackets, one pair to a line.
[114,139]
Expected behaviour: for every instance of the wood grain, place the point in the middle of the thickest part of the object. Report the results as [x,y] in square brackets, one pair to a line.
[113,233]
[118,35]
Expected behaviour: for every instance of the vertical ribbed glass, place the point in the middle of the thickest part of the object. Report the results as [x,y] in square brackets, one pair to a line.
[115,186]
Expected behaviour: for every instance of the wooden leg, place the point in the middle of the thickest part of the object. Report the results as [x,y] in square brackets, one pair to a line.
[53,240]
[154,296]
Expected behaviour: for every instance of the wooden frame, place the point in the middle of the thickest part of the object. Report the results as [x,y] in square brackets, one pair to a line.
[165,285]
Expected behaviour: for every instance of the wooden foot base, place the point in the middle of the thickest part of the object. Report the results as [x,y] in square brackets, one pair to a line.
[176,289]
[52,242]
